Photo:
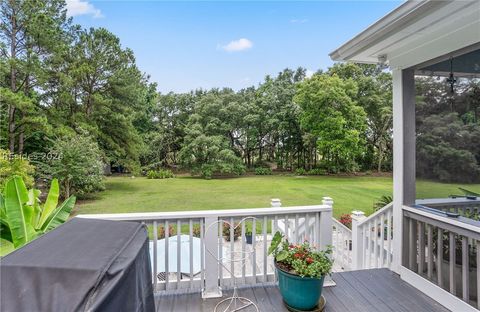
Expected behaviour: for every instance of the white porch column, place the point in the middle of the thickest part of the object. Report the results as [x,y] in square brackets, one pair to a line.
[403,154]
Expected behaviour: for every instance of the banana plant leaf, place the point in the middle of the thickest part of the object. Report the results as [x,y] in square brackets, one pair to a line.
[17,212]
[50,204]
[5,247]
[34,202]
[468,192]
[4,228]
[60,215]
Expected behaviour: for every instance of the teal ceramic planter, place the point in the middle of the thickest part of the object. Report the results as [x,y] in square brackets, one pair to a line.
[300,293]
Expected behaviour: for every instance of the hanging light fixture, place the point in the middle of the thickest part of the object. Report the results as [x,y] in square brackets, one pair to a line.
[451,80]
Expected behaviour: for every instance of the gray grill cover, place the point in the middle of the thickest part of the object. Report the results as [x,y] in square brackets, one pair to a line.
[83,265]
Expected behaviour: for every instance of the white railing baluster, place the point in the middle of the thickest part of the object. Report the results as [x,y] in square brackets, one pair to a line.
[296,229]
[465,270]
[202,253]
[440,257]
[265,248]
[430,251]
[452,261]
[179,252]
[254,254]
[155,255]
[190,250]
[243,251]
[232,247]
[167,271]
[382,240]
[389,238]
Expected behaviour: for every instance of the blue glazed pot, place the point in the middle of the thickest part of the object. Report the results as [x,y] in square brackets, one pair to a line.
[300,293]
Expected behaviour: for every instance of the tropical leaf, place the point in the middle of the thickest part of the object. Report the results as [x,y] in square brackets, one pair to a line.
[34,202]
[50,203]
[60,215]
[16,210]
[4,228]
[468,192]
[3,215]
[5,233]
[5,247]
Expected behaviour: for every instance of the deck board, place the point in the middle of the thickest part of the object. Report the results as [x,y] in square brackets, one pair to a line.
[362,291]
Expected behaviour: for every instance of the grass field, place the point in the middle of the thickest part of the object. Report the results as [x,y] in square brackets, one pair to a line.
[125,194]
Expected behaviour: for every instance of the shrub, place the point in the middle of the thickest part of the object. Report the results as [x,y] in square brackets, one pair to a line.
[236,232]
[346,219]
[15,165]
[161,231]
[382,202]
[160,174]
[263,171]
[78,165]
[300,259]
[300,171]
[317,171]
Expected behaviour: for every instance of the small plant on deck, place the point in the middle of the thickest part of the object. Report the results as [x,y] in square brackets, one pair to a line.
[300,259]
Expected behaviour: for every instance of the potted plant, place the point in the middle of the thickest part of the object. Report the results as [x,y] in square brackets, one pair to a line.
[248,236]
[301,271]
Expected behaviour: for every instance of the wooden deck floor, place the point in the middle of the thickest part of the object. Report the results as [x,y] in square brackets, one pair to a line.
[367,290]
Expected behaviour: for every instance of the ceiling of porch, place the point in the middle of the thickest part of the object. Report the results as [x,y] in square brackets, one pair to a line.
[466,65]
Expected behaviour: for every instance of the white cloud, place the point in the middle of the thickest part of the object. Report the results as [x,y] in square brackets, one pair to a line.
[309,73]
[299,21]
[82,7]
[238,45]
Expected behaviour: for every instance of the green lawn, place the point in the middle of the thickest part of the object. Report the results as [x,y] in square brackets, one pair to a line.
[125,194]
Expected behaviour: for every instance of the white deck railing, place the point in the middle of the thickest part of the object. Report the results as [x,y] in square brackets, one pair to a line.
[372,239]
[342,246]
[444,251]
[211,277]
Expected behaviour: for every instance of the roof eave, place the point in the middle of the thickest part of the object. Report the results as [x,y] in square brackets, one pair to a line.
[377,31]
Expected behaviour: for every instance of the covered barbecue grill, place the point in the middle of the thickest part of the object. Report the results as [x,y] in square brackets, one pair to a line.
[83,265]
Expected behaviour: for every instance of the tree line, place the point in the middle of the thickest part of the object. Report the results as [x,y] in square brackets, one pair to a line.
[65,90]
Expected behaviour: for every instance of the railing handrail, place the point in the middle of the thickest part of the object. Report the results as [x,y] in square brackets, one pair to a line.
[339,224]
[456,222]
[375,214]
[447,201]
[145,216]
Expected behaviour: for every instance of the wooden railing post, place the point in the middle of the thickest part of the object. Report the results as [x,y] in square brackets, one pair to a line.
[357,240]
[211,288]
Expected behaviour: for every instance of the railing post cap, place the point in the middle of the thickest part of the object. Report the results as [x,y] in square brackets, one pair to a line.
[276,202]
[358,213]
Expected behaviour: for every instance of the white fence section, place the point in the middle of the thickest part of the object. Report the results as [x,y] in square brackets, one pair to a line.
[372,239]
[342,246]
[175,266]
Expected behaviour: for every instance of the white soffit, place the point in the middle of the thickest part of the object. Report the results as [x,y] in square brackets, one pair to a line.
[415,32]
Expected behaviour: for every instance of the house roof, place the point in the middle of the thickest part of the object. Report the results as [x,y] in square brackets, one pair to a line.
[417,32]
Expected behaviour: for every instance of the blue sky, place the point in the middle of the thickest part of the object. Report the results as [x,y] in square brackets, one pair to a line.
[186,45]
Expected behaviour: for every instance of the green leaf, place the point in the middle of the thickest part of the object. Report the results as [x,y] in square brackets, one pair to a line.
[34,202]
[282,255]
[60,215]
[6,247]
[277,238]
[16,197]
[50,203]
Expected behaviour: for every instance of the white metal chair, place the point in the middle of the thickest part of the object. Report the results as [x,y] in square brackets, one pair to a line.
[234,302]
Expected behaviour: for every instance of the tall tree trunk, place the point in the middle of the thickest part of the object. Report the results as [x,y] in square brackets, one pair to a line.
[13,79]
